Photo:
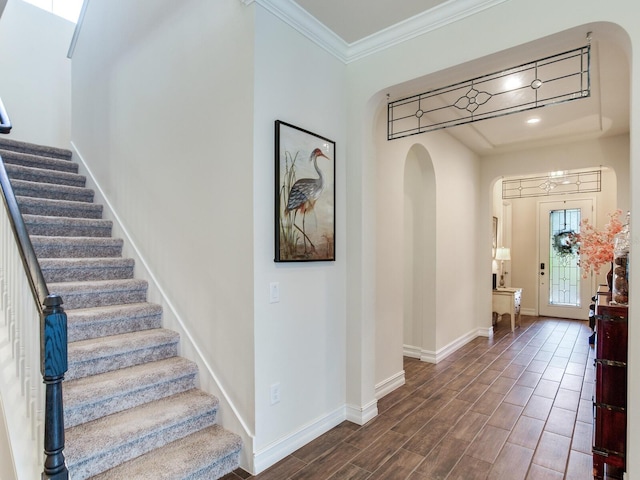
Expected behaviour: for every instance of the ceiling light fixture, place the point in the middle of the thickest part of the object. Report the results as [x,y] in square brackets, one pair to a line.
[533,121]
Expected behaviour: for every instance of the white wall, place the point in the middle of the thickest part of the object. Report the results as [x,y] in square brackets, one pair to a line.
[300,341]
[484,34]
[35,85]
[454,226]
[610,152]
[419,251]
[162,115]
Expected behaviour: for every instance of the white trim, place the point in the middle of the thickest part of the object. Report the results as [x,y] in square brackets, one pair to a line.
[76,31]
[186,337]
[411,351]
[361,415]
[485,332]
[439,355]
[529,311]
[299,19]
[427,21]
[390,384]
[276,451]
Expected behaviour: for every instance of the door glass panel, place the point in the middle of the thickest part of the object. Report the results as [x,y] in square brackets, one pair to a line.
[564,271]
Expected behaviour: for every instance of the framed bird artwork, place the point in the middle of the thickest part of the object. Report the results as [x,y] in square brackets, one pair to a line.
[305,195]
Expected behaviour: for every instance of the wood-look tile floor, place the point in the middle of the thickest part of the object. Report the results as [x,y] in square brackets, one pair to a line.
[514,407]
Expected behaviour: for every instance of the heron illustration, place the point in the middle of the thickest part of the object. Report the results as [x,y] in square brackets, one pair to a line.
[303,195]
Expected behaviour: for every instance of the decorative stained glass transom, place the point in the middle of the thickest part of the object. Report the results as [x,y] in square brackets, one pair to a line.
[564,271]
[559,78]
[556,183]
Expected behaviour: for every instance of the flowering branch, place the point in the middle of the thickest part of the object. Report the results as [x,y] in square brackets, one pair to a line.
[596,248]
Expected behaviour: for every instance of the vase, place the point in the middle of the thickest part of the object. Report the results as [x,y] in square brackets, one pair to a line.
[610,278]
[620,291]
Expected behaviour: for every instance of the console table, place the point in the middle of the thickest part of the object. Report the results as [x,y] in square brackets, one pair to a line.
[610,399]
[507,300]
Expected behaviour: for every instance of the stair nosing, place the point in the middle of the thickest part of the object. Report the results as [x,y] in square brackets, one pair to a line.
[187,368]
[96,437]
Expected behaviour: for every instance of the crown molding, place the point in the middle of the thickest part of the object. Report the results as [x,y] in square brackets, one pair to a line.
[437,17]
[427,21]
[299,19]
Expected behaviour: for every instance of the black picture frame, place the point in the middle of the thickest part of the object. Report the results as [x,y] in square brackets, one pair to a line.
[304,195]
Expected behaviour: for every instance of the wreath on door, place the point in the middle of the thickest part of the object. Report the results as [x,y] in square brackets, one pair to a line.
[565,243]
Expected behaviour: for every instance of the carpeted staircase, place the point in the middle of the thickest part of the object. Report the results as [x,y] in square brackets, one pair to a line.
[131,406]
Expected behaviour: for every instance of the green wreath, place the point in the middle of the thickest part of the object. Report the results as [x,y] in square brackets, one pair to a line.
[564,243]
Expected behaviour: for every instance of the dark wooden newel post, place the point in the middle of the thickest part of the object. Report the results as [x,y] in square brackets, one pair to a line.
[53,355]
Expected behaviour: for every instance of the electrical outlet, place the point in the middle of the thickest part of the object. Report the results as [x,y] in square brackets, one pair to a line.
[275,393]
[274,292]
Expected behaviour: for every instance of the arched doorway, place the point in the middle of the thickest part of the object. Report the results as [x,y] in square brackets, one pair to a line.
[419,252]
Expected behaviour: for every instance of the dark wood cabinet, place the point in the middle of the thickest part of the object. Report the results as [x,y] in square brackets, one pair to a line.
[610,396]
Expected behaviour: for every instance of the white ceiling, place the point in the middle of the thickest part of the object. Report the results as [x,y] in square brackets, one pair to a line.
[605,112]
[353,20]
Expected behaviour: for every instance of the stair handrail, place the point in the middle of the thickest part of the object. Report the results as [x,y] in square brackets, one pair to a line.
[53,328]
[5,123]
[27,253]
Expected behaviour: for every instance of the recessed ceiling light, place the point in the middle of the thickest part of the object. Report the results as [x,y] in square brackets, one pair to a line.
[533,121]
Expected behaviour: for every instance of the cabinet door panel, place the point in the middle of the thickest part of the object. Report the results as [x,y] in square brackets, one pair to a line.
[611,385]
[611,342]
[610,430]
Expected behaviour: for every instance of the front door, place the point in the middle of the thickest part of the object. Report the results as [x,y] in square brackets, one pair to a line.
[562,290]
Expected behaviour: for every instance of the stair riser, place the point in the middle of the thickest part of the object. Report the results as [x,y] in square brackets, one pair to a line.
[90,467]
[221,468]
[121,360]
[32,149]
[84,331]
[35,161]
[36,206]
[30,174]
[86,413]
[68,230]
[76,251]
[99,298]
[80,274]
[52,192]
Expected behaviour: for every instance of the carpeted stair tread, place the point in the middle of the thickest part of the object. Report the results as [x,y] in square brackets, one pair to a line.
[103,354]
[97,446]
[84,269]
[48,190]
[58,208]
[37,161]
[67,226]
[100,293]
[34,149]
[76,247]
[85,323]
[88,398]
[190,458]
[41,175]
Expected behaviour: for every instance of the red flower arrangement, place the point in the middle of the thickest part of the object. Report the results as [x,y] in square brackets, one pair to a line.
[596,248]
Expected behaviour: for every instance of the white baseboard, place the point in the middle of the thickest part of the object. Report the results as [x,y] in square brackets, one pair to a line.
[485,332]
[411,351]
[390,384]
[276,451]
[361,415]
[529,311]
[439,355]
